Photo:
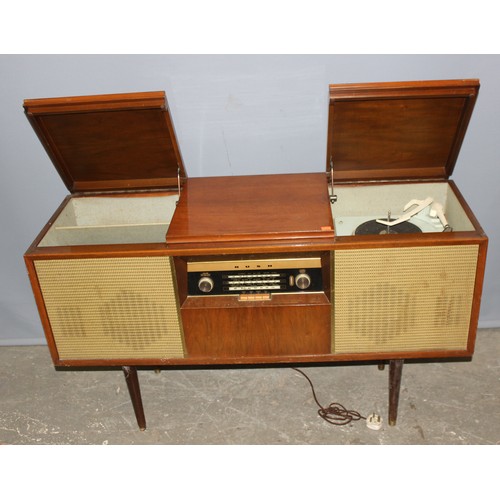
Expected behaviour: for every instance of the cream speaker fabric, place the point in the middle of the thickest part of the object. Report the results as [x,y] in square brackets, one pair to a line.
[402,299]
[112,308]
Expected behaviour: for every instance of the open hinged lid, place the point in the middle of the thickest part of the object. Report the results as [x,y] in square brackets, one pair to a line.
[109,142]
[397,131]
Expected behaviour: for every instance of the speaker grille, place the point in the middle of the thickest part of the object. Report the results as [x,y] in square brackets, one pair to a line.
[112,308]
[402,299]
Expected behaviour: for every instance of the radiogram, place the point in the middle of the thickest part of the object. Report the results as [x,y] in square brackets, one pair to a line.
[378,257]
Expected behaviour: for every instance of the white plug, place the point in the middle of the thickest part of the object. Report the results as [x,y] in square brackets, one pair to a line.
[374,421]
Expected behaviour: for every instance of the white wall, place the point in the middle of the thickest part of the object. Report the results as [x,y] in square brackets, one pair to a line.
[233,115]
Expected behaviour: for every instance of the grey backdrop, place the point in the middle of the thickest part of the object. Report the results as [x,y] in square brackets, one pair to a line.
[233,115]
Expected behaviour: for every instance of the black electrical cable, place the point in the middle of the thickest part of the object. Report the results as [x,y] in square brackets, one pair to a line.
[335,413]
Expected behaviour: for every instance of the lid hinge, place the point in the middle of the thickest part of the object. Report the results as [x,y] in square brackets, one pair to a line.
[333,197]
[178,182]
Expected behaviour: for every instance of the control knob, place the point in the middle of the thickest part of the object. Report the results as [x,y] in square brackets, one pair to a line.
[303,281]
[206,284]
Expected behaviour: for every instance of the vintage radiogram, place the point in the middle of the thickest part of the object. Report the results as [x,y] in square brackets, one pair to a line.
[378,258]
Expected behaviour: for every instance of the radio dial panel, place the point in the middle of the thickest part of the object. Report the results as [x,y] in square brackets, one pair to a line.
[255,276]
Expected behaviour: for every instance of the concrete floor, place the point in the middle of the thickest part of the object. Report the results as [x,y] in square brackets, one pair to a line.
[440,403]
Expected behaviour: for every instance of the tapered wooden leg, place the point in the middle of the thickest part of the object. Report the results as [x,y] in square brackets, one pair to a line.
[135,394]
[395,371]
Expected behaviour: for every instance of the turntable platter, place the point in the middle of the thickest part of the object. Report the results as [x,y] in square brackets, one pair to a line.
[374,227]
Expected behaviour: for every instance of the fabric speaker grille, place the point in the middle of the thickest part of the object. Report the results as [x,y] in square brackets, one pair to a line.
[403,299]
[112,308]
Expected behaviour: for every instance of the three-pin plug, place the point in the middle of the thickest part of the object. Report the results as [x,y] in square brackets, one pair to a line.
[374,421]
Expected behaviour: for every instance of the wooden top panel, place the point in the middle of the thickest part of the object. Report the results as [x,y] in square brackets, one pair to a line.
[109,142]
[218,210]
[400,130]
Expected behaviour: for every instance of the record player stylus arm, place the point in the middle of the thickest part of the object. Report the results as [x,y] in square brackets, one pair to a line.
[420,205]
[436,210]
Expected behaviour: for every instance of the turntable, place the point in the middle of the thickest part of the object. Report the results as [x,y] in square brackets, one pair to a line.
[417,216]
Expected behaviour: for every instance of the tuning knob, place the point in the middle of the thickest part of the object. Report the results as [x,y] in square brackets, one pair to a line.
[303,281]
[206,284]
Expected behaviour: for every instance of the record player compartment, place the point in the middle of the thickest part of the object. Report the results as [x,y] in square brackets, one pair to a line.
[360,203]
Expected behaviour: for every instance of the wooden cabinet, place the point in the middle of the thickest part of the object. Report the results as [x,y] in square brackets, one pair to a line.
[284,276]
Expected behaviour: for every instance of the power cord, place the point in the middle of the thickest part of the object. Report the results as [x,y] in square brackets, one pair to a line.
[335,413]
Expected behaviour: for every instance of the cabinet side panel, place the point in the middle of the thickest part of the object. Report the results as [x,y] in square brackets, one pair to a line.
[112,308]
[403,299]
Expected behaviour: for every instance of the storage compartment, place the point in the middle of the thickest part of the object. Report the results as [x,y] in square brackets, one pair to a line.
[107,220]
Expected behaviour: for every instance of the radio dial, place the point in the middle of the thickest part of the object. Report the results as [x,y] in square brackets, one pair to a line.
[303,281]
[206,284]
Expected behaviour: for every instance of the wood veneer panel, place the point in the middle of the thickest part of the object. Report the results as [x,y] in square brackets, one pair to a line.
[262,329]
[218,210]
[398,130]
[109,142]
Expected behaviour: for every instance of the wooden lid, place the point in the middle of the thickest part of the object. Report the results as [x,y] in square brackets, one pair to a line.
[401,130]
[250,208]
[109,142]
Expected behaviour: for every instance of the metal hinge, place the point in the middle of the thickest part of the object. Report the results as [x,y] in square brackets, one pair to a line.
[178,182]
[333,197]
